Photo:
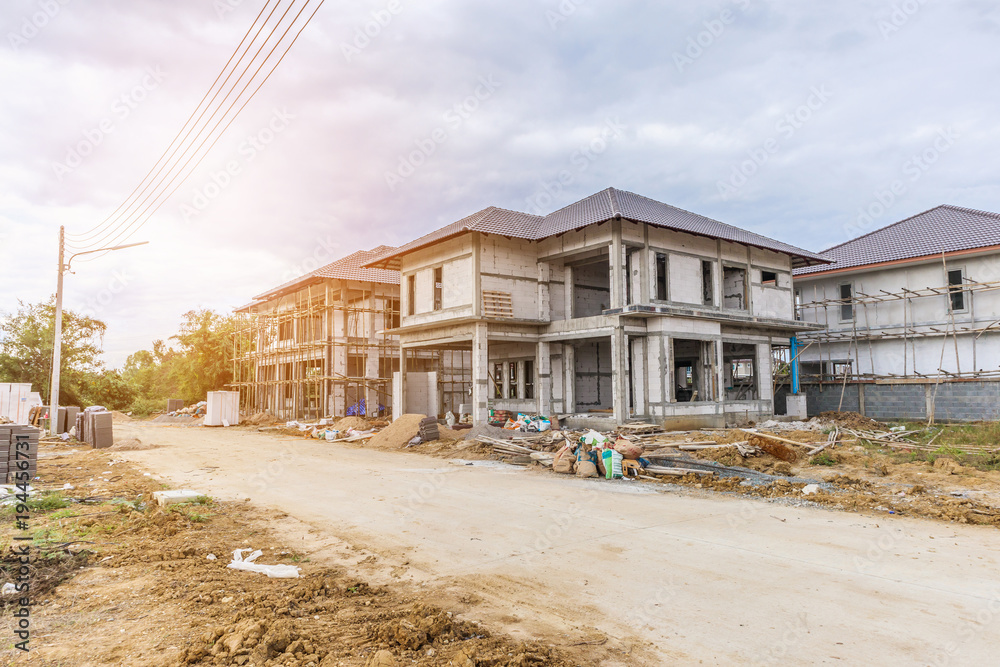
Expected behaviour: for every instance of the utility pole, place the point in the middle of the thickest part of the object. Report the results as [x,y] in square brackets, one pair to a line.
[57,344]
[64,266]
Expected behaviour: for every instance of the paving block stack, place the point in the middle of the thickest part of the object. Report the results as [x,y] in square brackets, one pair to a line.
[429,429]
[174,404]
[96,426]
[8,440]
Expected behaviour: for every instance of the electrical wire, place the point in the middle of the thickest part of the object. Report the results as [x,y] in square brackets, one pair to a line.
[89,233]
[159,198]
[170,167]
[128,232]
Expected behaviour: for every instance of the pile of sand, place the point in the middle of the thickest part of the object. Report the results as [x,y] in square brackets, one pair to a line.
[120,417]
[261,419]
[131,445]
[397,434]
[357,423]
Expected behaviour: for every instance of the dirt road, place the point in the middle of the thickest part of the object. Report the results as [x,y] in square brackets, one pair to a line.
[672,575]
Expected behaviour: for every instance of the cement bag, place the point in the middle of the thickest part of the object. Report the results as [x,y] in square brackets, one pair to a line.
[564,461]
[612,464]
[628,449]
[586,468]
[599,457]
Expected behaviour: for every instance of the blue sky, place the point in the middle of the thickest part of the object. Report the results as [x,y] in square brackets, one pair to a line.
[806,122]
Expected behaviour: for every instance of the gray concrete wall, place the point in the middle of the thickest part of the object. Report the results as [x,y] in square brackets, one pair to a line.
[950,401]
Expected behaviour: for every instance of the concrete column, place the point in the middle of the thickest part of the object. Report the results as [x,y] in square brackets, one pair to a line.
[543,385]
[639,373]
[543,291]
[480,374]
[399,393]
[619,374]
[568,296]
[339,362]
[372,360]
[617,266]
[765,383]
[720,371]
[569,378]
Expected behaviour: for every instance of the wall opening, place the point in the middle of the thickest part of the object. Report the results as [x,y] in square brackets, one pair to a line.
[593,376]
[591,288]
[707,284]
[692,370]
[438,288]
[734,288]
[661,276]
[741,371]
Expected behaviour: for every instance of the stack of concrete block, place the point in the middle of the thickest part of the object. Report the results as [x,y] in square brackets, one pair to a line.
[14,462]
[97,427]
[429,429]
[174,404]
[5,431]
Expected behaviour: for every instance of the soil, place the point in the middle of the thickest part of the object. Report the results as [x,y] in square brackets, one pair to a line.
[120,581]
[852,420]
[397,434]
[357,423]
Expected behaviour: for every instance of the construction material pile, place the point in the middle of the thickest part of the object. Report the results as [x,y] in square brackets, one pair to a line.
[196,410]
[95,426]
[18,452]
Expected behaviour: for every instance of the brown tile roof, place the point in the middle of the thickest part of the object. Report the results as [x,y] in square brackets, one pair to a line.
[352,267]
[942,229]
[599,207]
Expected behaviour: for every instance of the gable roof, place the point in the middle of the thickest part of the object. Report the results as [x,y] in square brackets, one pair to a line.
[352,267]
[605,205]
[942,229]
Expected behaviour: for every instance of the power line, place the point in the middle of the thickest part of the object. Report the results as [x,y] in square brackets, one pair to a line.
[158,199]
[90,233]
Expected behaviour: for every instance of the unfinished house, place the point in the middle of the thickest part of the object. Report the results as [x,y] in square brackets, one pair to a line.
[615,307]
[910,317]
[317,345]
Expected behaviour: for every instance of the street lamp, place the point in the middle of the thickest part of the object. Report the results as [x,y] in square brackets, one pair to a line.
[57,345]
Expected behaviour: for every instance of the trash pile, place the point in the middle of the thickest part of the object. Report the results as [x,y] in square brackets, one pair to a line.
[196,410]
[522,422]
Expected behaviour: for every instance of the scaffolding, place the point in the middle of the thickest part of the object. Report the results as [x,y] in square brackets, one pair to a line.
[321,350]
[861,331]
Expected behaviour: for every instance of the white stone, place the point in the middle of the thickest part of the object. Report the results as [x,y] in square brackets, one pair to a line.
[810,489]
[175,496]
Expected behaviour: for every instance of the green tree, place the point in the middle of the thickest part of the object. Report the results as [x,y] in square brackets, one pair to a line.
[206,364]
[26,339]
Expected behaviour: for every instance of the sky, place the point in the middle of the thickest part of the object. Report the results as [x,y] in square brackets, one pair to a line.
[810,123]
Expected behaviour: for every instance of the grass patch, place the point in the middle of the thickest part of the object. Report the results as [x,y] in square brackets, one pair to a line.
[39,503]
[822,459]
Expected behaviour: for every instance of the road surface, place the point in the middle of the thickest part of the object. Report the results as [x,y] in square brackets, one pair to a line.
[674,575]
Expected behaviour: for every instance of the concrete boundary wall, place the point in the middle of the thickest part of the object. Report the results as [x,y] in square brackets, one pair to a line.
[946,401]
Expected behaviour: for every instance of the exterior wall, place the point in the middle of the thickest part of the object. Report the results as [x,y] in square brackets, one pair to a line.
[455,259]
[923,354]
[584,359]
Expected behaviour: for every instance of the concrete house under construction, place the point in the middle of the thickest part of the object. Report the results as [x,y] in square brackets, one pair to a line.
[317,345]
[616,306]
[910,318]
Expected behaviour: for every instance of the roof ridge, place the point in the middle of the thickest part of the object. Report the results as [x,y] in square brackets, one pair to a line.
[880,229]
[616,209]
[969,210]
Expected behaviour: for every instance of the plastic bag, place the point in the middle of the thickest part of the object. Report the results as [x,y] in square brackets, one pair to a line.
[273,571]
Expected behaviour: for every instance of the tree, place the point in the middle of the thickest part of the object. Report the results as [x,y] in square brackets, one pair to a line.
[203,362]
[26,339]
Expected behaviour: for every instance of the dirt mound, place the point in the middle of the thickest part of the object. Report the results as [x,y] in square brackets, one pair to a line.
[357,423]
[120,416]
[131,445]
[398,433]
[848,419]
[262,419]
